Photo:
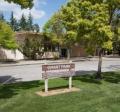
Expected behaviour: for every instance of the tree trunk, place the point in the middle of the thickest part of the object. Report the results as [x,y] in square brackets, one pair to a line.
[99,76]
[119,52]
[68,53]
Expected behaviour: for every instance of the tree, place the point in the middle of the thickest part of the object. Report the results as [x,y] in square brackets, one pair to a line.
[116,30]
[89,19]
[36,28]
[23,23]
[22,3]
[2,17]
[13,23]
[86,22]
[30,23]
[113,6]
[7,39]
[33,44]
[58,32]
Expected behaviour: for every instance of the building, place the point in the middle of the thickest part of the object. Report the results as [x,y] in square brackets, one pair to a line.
[47,49]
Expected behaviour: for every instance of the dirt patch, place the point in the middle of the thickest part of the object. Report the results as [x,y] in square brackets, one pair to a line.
[56,92]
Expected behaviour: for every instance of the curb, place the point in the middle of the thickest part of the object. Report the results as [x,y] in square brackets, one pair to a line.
[39,63]
[10,65]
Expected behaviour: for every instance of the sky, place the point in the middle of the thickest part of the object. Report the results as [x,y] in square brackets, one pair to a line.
[41,11]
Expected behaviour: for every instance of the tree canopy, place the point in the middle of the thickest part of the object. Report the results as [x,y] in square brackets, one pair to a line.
[7,39]
[87,22]
[22,3]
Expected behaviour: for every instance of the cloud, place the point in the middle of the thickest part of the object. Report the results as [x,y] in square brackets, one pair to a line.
[36,13]
[40,2]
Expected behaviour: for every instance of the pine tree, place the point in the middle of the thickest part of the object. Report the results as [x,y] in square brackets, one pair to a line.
[23,23]
[1,16]
[36,28]
[30,23]
[13,23]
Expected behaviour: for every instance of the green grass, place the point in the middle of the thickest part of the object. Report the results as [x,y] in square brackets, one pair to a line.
[95,96]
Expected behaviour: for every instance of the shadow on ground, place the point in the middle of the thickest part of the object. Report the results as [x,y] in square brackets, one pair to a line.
[86,76]
[9,90]
[112,77]
[89,77]
[114,67]
[8,62]
[8,79]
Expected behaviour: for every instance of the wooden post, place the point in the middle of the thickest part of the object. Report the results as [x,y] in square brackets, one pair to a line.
[70,82]
[70,78]
[46,85]
[46,80]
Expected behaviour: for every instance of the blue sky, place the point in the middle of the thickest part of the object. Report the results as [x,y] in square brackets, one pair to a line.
[41,11]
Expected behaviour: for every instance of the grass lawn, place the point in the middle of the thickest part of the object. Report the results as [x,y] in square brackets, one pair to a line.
[95,96]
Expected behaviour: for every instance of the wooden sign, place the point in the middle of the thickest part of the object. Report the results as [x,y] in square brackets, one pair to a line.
[58,70]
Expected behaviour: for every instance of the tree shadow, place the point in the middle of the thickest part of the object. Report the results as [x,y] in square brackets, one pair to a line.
[112,77]
[9,90]
[83,72]
[8,79]
[89,77]
[114,67]
[86,76]
[8,61]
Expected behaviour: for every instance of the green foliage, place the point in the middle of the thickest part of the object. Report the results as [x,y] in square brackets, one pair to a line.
[7,39]
[90,22]
[29,23]
[36,28]
[70,38]
[54,29]
[23,23]
[13,23]
[33,44]
[1,16]
[116,30]
[87,21]
[22,3]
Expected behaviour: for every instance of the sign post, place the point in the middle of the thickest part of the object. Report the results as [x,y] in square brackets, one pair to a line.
[57,71]
[46,85]
[70,82]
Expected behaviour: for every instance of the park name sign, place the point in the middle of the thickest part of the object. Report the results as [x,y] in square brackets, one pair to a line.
[57,71]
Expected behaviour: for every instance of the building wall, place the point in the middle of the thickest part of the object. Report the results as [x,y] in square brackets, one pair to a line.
[78,51]
[10,54]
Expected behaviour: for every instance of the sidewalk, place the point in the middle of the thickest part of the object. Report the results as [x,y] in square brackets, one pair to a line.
[35,62]
[32,62]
